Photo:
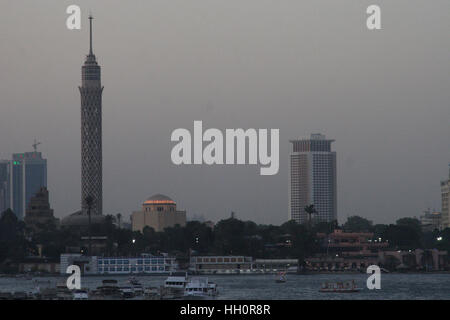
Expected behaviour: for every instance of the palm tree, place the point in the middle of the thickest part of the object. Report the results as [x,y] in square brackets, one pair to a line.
[310,210]
[118,216]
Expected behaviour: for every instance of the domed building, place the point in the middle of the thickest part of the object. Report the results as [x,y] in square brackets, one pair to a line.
[81,219]
[158,212]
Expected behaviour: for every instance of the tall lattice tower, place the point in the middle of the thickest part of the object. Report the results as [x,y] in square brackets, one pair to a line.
[91,131]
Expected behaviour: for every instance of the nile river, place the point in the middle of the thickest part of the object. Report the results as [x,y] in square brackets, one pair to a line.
[297,287]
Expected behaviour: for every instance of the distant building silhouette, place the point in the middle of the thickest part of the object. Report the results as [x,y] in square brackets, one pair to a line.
[39,214]
[312,179]
[445,191]
[431,220]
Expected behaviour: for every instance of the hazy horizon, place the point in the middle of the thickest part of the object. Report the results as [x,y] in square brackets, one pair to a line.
[303,67]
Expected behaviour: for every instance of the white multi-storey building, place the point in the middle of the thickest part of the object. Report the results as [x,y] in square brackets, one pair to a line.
[312,179]
[144,264]
[220,264]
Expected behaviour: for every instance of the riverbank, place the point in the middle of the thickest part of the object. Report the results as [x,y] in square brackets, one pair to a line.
[30,276]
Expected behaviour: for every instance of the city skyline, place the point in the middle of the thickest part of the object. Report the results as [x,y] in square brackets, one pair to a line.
[388,113]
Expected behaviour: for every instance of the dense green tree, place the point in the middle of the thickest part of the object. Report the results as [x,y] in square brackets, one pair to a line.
[198,236]
[379,230]
[325,227]
[442,240]
[229,236]
[429,239]
[13,244]
[358,224]
[412,223]
[402,237]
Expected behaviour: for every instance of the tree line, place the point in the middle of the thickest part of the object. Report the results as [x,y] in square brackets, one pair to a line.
[228,237]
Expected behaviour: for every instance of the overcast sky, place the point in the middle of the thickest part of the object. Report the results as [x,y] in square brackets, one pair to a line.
[300,66]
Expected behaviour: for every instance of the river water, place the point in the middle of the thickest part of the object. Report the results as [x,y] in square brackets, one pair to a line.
[297,287]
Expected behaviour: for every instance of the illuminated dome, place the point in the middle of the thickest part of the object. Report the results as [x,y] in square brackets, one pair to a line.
[159,199]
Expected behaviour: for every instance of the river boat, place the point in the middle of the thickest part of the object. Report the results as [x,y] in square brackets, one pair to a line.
[281,277]
[339,287]
[200,288]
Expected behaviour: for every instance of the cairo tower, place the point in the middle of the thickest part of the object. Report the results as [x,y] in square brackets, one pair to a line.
[91,131]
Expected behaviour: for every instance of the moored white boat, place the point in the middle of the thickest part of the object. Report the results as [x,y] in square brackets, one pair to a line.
[174,286]
[152,293]
[81,294]
[109,290]
[200,288]
[127,292]
[281,277]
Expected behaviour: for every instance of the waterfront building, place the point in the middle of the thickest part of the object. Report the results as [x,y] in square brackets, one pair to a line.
[275,265]
[158,212]
[415,260]
[312,179]
[220,264]
[98,244]
[38,213]
[146,263]
[343,251]
[87,264]
[143,264]
[38,264]
[351,243]
[445,191]
[346,250]
[91,132]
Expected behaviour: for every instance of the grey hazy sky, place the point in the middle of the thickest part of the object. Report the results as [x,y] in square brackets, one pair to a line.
[300,66]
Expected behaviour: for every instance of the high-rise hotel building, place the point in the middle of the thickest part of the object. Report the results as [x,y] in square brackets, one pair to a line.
[445,191]
[312,179]
[5,180]
[20,179]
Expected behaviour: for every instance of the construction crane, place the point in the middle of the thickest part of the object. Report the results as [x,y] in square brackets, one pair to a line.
[35,144]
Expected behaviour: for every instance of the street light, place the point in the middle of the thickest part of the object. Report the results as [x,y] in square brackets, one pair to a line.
[133,241]
[439,238]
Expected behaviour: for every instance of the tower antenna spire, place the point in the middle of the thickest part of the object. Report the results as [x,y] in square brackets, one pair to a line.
[90,34]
